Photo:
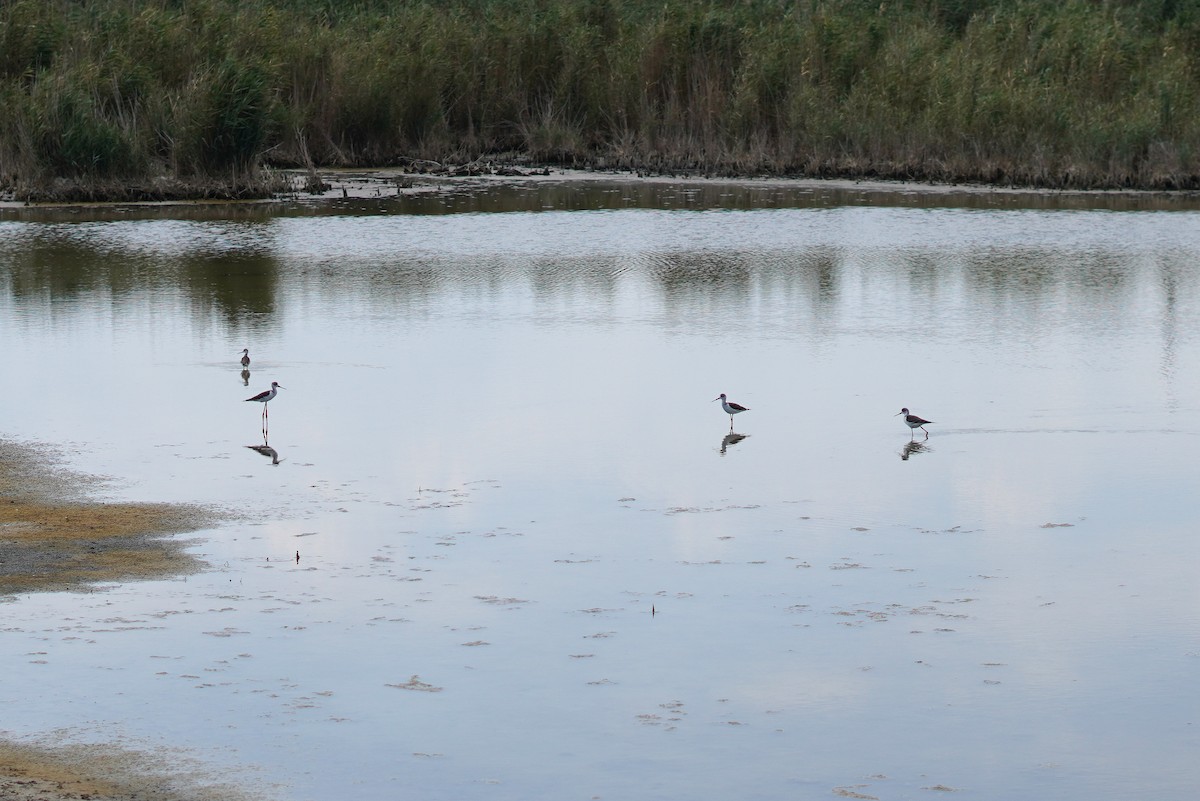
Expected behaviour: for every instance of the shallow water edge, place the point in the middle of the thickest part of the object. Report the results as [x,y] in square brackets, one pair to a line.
[332,188]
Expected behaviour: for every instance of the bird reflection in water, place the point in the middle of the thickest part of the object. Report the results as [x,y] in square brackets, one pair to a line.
[731,439]
[913,446]
[266,450]
[245,377]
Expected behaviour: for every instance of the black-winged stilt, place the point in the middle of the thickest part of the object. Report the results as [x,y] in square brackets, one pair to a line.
[730,408]
[265,397]
[245,357]
[914,422]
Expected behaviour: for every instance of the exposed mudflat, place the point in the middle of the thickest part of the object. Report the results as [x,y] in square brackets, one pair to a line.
[384,183]
[32,772]
[54,537]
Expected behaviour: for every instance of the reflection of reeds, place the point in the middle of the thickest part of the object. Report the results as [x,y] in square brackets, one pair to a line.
[1063,94]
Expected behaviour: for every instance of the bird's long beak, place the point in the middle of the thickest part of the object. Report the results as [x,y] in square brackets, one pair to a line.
[897,414]
[715,399]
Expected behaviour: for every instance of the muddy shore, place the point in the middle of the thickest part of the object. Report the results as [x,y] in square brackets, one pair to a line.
[383,183]
[54,535]
[362,184]
[45,772]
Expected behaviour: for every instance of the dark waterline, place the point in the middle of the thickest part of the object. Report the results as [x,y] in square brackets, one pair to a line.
[380,195]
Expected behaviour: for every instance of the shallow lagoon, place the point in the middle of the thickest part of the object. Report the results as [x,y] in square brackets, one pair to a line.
[532,564]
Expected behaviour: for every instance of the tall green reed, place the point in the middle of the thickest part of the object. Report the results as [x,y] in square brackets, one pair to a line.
[1080,93]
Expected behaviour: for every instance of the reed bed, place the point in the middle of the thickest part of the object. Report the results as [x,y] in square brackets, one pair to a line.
[159,98]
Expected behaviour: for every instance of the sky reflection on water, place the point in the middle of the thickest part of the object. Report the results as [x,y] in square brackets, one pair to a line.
[497,452]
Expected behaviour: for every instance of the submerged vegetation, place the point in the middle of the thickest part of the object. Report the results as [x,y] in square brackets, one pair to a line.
[153,98]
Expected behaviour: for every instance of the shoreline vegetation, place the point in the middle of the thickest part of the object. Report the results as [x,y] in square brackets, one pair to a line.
[144,100]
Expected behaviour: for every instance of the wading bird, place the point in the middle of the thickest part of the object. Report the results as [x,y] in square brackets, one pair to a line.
[914,422]
[730,408]
[245,357]
[265,397]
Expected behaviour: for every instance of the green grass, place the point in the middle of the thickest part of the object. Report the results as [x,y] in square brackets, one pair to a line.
[1054,93]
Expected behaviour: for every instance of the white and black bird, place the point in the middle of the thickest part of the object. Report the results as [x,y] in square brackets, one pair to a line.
[265,397]
[730,408]
[914,422]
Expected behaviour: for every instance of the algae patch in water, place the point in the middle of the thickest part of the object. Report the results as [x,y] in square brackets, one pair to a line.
[107,773]
[54,537]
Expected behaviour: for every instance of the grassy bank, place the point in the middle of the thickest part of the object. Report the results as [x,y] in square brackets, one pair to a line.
[160,96]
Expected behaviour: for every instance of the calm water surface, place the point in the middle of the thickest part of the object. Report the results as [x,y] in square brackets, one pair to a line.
[533,561]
